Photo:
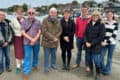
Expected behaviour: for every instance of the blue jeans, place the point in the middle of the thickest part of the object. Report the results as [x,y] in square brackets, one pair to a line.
[107,68]
[93,57]
[28,56]
[47,53]
[80,44]
[5,52]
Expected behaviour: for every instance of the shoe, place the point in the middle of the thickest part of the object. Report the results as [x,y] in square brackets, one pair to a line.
[46,72]
[64,67]
[68,67]
[9,70]
[25,77]
[1,71]
[90,74]
[54,68]
[98,77]
[35,69]
[87,69]
[105,74]
[75,66]
[17,71]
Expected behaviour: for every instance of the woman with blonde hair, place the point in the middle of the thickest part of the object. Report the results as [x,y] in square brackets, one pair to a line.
[18,39]
[93,37]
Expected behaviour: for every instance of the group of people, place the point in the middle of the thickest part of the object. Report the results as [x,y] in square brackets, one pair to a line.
[92,35]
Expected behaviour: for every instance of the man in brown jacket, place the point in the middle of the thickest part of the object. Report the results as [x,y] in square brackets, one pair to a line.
[51,31]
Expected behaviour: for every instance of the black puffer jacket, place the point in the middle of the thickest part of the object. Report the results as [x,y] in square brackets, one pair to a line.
[68,30]
[95,34]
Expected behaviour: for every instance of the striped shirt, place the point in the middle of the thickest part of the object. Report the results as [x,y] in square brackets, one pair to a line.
[111,32]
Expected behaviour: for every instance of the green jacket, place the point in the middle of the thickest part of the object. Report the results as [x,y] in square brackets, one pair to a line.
[49,32]
[9,33]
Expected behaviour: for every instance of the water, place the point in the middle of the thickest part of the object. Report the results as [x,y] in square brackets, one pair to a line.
[10,17]
[41,18]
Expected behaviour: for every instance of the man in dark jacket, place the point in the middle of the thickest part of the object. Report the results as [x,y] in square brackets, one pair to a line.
[5,40]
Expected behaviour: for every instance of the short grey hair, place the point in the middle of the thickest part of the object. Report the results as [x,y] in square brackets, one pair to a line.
[31,9]
[53,9]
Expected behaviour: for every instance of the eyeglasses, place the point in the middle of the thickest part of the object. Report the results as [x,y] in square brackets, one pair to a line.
[32,13]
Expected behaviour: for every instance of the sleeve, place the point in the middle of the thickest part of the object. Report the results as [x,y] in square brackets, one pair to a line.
[72,31]
[114,34]
[1,39]
[85,34]
[73,28]
[39,24]
[59,31]
[45,32]
[101,35]
[10,33]
[23,25]
[76,26]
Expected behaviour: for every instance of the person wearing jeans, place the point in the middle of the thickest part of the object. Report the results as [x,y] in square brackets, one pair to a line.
[109,42]
[81,23]
[79,43]
[31,30]
[47,53]
[5,41]
[94,35]
[5,52]
[106,69]
[27,60]
[51,31]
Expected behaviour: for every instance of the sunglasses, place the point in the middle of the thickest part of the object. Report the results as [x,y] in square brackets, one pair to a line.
[31,13]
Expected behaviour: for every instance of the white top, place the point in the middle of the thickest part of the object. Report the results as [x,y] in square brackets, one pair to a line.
[17,28]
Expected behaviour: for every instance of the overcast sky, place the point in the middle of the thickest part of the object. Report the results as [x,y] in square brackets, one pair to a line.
[33,3]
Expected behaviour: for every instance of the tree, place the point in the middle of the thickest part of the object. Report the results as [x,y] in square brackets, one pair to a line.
[75,2]
[90,3]
[25,7]
[13,8]
[113,0]
[53,5]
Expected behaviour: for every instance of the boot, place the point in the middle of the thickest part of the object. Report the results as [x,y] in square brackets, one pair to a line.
[98,74]
[90,73]
[64,67]
[68,67]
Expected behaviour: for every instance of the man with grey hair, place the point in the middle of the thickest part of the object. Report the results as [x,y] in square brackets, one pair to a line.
[5,40]
[31,29]
[51,31]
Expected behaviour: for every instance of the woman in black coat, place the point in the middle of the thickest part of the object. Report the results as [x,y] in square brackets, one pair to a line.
[94,35]
[67,38]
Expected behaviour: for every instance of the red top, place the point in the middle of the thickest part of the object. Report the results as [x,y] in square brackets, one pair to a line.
[81,26]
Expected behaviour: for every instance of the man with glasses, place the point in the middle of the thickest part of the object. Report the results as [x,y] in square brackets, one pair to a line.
[31,29]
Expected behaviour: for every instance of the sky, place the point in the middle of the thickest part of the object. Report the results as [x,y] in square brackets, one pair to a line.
[34,3]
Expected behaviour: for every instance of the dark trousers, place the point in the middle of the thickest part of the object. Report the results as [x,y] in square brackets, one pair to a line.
[66,56]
